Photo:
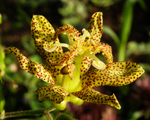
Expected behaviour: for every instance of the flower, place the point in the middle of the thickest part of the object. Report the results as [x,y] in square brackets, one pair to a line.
[68,72]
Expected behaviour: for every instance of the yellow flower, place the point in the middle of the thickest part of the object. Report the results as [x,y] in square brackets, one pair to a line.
[68,72]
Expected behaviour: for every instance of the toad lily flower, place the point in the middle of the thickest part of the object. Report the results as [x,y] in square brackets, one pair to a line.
[68,72]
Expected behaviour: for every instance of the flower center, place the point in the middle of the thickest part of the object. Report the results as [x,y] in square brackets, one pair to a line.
[79,48]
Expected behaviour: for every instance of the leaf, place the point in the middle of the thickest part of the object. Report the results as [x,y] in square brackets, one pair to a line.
[2,100]
[64,117]
[112,34]
[136,48]
[126,27]
[143,5]
[0,19]
[127,19]
[2,63]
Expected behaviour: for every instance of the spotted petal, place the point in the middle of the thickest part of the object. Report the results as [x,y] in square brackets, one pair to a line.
[95,28]
[106,51]
[39,70]
[70,31]
[90,95]
[115,74]
[85,65]
[44,36]
[54,93]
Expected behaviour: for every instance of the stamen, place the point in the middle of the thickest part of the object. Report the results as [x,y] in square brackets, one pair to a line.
[99,65]
[50,49]
[54,46]
[61,44]
[96,62]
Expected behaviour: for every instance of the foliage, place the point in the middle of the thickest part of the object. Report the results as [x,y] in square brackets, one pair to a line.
[2,72]
[104,3]
[127,16]
[73,12]
[64,117]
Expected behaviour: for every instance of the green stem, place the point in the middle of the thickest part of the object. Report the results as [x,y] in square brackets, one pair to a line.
[122,51]
[48,115]
[126,28]
[30,113]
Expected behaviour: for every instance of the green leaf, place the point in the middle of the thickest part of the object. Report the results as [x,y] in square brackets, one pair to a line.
[104,3]
[2,100]
[0,19]
[64,117]
[126,27]
[127,19]
[136,115]
[2,67]
[138,48]
[143,5]
[112,34]
[145,66]
[2,63]
[36,58]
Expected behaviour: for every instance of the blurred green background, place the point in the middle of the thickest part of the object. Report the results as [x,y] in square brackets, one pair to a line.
[126,29]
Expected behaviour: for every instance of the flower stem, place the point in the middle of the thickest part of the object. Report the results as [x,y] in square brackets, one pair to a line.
[30,113]
[48,115]
[126,27]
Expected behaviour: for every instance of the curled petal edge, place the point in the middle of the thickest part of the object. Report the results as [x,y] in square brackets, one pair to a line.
[90,95]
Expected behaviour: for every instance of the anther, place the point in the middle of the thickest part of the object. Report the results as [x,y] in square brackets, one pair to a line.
[50,49]
[96,62]
[54,46]
[99,65]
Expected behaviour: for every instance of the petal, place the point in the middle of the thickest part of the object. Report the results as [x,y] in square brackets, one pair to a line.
[44,36]
[39,70]
[95,28]
[85,65]
[106,51]
[70,31]
[90,95]
[115,74]
[54,93]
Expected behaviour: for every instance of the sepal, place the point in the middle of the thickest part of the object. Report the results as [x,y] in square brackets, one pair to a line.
[55,93]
